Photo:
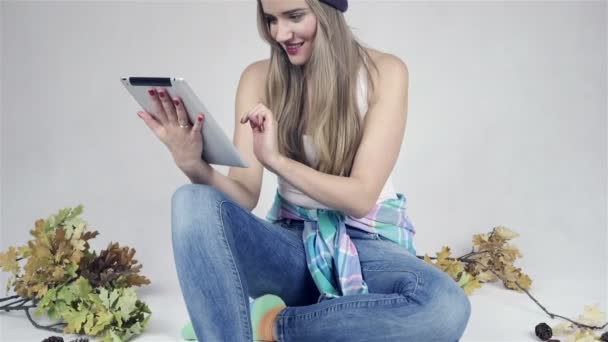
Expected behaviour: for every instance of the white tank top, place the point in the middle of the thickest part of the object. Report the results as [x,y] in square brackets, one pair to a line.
[297,197]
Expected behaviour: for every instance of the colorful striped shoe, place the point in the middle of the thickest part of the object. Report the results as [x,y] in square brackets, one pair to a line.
[262,310]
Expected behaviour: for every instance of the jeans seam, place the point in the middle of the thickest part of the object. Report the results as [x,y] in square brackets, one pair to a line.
[308,316]
[280,326]
[235,271]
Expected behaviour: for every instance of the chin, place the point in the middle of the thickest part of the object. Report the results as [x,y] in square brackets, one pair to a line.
[299,61]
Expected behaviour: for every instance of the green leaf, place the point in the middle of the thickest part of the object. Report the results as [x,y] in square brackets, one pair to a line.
[104,319]
[104,296]
[71,270]
[464,278]
[76,211]
[89,324]
[63,213]
[83,287]
[46,302]
[53,313]
[75,320]
[67,294]
[114,297]
[126,303]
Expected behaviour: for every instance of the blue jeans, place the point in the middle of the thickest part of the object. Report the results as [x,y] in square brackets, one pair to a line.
[224,254]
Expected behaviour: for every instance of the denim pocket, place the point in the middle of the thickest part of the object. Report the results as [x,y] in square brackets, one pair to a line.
[292,225]
[355,233]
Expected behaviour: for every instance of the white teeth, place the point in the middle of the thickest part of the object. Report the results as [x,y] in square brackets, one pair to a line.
[295,46]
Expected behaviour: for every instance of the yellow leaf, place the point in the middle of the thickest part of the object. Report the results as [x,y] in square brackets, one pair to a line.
[512,251]
[505,233]
[444,254]
[480,239]
[58,274]
[584,336]
[564,328]
[524,281]
[8,261]
[78,244]
[24,251]
[486,276]
[592,316]
[471,286]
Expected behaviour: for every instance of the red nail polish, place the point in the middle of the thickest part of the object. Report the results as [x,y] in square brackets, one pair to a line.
[161,93]
[176,102]
[151,92]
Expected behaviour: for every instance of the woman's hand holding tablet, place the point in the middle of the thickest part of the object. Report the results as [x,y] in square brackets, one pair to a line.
[171,110]
[172,126]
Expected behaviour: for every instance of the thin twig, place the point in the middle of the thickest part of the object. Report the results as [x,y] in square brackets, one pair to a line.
[462,258]
[44,327]
[12,304]
[8,298]
[552,315]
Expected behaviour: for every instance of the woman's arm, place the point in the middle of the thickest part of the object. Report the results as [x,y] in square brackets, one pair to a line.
[203,173]
[241,184]
[383,132]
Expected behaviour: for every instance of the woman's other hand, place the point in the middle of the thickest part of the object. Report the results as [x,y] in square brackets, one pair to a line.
[264,127]
[171,125]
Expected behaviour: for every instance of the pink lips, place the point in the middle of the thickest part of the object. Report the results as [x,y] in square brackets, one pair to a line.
[294,50]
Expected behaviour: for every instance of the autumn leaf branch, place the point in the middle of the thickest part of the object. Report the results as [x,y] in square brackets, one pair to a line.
[91,294]
[492,258]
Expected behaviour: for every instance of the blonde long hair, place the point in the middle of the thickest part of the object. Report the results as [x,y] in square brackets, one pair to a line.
[333,114]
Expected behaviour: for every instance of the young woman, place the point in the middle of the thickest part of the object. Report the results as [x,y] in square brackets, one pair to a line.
[334,259]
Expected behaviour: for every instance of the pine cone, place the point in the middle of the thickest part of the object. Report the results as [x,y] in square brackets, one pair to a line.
[53,339]
[543,331]
[604,337]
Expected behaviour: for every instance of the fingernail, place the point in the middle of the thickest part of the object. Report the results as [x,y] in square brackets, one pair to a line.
[151,92]
[139,114]
[200,118]
[176,101]
[161,93]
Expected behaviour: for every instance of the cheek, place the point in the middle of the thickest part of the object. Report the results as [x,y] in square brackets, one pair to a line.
[311,31]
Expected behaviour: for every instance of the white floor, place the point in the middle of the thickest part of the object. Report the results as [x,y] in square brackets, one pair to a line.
[498,314]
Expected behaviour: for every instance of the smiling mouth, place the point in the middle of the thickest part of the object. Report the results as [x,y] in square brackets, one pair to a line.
[294,46]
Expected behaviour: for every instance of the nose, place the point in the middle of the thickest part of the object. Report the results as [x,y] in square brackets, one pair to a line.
[284,32]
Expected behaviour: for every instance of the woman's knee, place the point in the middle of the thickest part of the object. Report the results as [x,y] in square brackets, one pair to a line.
[194,205]
[451,309]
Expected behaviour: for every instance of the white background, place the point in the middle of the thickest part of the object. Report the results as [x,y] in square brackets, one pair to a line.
[506,126]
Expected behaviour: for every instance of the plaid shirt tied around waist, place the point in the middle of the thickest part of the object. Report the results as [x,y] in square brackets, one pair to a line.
[331,256]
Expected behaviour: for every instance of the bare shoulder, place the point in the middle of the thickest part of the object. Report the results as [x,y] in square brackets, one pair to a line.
[391,70]
[255,76]
[259,68]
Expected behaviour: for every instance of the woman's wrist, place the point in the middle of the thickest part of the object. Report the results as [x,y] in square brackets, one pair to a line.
[274,164]
[199,172]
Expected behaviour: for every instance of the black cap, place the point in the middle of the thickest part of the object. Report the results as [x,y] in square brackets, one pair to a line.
[340,5]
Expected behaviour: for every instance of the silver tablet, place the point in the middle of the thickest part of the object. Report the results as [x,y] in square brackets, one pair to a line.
[217,148]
